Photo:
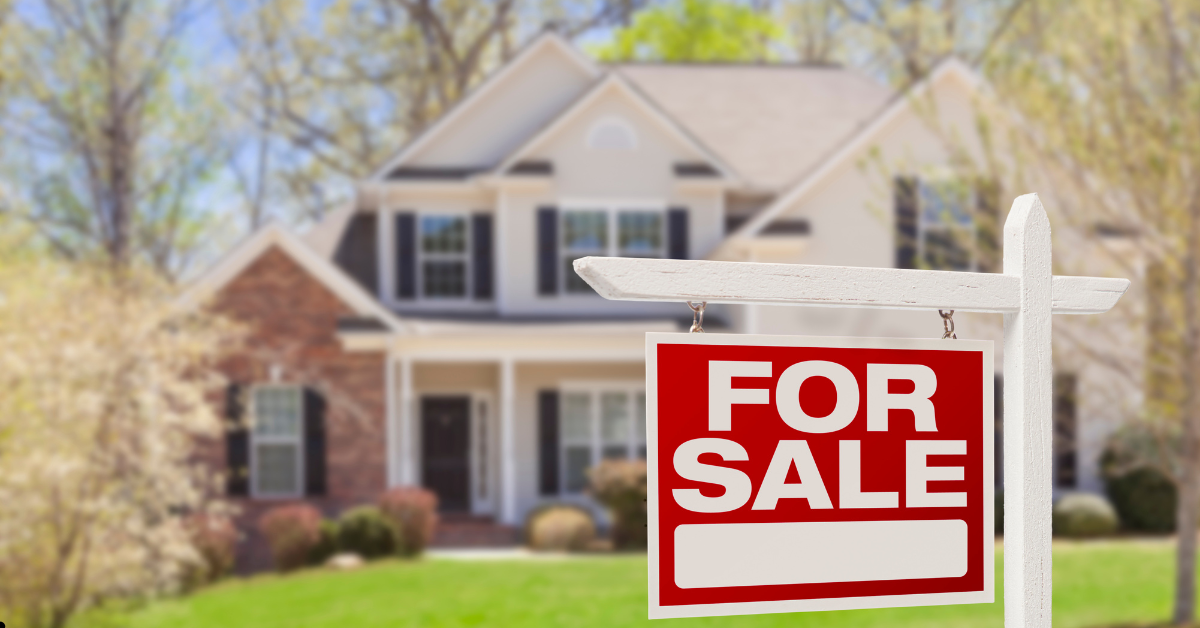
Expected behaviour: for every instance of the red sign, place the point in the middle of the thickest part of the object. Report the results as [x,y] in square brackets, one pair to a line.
[797,474]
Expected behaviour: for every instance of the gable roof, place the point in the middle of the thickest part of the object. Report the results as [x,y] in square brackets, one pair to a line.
[272,235]
[615,82]
[849,147]
[769,122]
[546,40]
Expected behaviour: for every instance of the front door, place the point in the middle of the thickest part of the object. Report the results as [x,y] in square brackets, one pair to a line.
[446,430]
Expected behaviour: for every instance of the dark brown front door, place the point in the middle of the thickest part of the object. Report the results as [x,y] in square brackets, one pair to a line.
[446,429]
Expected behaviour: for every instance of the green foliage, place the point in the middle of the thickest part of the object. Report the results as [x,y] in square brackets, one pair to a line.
[327,543]
[695,30]
[366,532]
[621,486]
[1082,515]
[412,512]
[560,527]
[1145,499]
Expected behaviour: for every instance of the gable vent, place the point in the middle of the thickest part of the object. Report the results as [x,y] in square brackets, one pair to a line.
[612,133]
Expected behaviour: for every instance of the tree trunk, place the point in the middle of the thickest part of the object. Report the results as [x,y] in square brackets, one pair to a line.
[1186,517]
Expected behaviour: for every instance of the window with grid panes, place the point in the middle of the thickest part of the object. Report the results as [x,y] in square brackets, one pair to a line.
[445,256]
[638,233]
[946,231]
[600,424]
[277,441]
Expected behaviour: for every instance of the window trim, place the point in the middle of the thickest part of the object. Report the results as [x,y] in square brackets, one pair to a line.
[466,257]
[923,226]
[595,390]
[257,439]
[612,210]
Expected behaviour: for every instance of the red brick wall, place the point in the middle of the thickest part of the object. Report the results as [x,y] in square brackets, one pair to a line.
[291,321]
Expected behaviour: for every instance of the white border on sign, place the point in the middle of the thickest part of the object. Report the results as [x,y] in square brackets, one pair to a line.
[986,596]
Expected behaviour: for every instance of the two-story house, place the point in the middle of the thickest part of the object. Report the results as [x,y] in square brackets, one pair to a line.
[434,333]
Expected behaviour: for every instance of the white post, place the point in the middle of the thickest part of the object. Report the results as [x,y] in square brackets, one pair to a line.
[391,446]
[1028,427]
[408,448]
[508,443]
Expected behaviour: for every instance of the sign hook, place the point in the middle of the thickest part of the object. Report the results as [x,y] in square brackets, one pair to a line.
[697,316]
[948,325]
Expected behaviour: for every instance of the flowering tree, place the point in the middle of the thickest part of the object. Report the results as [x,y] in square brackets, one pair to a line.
[102,406]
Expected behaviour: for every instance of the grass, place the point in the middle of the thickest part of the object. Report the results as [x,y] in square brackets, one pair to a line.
[1095,584]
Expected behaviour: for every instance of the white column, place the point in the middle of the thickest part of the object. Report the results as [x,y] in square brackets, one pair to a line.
[1028,427]
[508,443]
[391,430]
[408,448]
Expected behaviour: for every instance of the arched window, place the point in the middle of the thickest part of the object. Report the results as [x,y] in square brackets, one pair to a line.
[612,133]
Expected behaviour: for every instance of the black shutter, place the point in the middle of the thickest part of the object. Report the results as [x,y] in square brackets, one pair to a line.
[548,442]
[481,255]
[237,443]
[987,226]
[357,253]
[906,222]
[547,243]
[677,233]
[406,255]
[314,442]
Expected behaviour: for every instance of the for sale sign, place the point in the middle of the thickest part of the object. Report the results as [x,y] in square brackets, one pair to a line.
[796,474]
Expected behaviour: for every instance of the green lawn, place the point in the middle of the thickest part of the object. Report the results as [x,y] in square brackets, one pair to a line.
[1094,584]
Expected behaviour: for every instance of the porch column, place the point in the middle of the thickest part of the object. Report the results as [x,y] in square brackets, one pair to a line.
[508,443]
[391,445]
[408,448]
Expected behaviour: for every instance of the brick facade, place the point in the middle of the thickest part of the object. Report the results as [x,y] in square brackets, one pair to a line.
[292,320]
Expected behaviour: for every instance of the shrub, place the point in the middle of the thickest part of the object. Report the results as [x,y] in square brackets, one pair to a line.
[560,527]
[413,513]
[215,540]
[1145,499]
[1081,515]
[621,486]
[327,543]
[366,532]
[292,532]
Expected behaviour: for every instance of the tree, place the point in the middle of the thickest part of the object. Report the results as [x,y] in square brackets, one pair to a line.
[1105,96]
[328,91]
[102,411]
[696,30]
[103,125]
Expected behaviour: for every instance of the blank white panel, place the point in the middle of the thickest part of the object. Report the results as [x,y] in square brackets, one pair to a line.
[807,552]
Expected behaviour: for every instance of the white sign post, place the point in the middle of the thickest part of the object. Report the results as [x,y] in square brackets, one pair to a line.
[1026,293]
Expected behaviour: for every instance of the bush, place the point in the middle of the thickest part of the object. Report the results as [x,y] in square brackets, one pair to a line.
[413,513]
[560,527]
[621,486]
[292,532]
[366,532]
[1080,515]
[215,539]
[1145,499]
[327,544]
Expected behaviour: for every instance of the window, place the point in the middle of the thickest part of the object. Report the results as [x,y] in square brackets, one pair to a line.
[946,224]
[612,133]
[1065,424]
[276,453]
[445,256]
[600,424]
[639,233]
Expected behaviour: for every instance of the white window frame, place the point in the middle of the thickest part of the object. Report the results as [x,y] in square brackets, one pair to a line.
[257,439]
[465,257]
[925,226]
[595,390]
[612,211]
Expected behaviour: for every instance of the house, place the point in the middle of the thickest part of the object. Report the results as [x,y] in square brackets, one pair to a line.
[433,331]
